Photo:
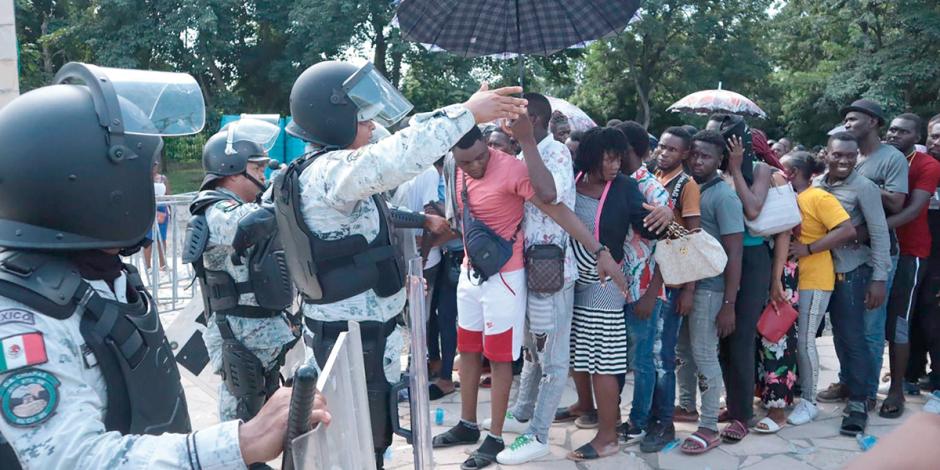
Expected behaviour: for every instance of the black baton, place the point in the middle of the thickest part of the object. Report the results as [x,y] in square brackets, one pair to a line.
[301,404]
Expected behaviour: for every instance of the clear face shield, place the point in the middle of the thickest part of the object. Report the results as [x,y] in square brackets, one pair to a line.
[261,132]
[375,97]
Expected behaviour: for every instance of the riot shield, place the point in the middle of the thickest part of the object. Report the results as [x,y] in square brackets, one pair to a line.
[346,444]
[418,373]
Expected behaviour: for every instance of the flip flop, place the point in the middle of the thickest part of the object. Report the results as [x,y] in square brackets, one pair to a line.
[698,443]
[565,415]
[767,426]
[588,452]
[734,432]
[854,423]
[436,393]
[891,408]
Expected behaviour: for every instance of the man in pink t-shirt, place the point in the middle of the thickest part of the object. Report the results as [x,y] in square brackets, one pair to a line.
[491,313]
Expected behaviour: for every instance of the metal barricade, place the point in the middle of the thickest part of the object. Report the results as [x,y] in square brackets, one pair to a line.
[171,285]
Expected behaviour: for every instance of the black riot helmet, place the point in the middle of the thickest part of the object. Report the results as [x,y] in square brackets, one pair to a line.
[75,169]
[228,152]
[330,98]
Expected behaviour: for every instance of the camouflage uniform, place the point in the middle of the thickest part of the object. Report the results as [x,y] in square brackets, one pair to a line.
[335,201]
[265,337]
[70,433]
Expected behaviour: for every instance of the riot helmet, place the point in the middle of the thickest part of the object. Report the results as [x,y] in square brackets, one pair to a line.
[228,152]
[330,98]
[75,172]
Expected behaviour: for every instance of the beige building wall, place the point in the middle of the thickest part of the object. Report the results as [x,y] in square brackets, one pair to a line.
[9,80]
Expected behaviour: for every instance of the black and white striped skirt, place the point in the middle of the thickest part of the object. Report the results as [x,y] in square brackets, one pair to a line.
[598,330]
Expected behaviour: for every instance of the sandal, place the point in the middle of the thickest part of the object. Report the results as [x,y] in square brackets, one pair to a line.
[699,443]
[891,408]
[565,415]
[485,455]
[456,436]
[486,382]
[734,432]
[588,452]
[723,415]
[854,423]
[436,393]
[767,426]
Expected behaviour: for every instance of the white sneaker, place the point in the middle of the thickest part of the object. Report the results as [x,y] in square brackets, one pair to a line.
[802,413]
[525,448]
[511,424]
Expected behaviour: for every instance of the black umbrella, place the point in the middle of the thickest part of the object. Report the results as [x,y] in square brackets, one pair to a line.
[472,28]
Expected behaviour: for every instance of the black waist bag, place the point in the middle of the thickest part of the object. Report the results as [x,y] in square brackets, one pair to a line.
[488,251]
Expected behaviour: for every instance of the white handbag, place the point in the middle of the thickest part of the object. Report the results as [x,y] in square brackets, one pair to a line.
[779,214]
[687,256]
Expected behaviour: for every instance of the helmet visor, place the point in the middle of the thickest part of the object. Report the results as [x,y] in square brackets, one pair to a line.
[260,132]
[158,103]
[375,97]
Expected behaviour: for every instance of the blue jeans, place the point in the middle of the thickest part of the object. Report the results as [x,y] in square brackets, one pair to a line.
[644,347]
[664,396]
[848,330]
[875,337]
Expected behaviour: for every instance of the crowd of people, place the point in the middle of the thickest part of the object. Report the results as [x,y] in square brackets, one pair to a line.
[861,253]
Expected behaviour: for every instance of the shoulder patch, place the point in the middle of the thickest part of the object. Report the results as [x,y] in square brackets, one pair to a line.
[29,397]
[227,205]
[27,349]
[17,315]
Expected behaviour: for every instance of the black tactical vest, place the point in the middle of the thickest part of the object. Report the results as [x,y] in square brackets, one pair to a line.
[144,392]
[328,271]
[268,278]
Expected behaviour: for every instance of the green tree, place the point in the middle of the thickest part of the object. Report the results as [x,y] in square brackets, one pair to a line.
[677,47]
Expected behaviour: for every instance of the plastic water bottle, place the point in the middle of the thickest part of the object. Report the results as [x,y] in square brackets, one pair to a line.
[671,446]
[439,416]
[865,441]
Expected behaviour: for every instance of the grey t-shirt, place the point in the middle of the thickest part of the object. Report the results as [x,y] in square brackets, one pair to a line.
[886,167]
[722,214]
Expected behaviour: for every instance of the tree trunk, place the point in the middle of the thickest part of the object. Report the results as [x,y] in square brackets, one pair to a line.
[380,42]
[642,101]
[47,65]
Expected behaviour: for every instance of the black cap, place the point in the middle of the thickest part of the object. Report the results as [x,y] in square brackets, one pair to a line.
[868,107]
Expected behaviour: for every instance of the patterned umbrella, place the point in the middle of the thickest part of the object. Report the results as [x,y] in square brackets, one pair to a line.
[717,101]
[579,120]
[494,27]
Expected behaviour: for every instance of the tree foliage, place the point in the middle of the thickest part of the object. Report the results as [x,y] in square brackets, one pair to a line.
[800,60]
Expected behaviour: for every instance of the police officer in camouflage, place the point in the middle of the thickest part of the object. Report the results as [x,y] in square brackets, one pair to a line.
[334,222]
[231,242]
[87,377]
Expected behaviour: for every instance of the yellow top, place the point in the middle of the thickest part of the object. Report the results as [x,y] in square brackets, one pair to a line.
[821,213]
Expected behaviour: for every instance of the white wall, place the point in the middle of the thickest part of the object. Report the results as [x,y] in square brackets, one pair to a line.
[9,81]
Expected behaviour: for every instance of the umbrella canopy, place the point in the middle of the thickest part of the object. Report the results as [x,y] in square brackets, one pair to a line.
[495,27]
[717,101]
[577,119]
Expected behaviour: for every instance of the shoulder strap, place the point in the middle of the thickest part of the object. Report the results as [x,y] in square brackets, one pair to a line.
[709,184]
[676,195]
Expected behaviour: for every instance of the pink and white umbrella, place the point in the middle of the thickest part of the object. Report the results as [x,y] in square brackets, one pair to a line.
[717,101]
[577,119]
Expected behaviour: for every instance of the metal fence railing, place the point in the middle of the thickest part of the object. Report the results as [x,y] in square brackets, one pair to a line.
[171,284]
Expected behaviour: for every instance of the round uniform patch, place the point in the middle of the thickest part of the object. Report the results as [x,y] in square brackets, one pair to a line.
[29,397]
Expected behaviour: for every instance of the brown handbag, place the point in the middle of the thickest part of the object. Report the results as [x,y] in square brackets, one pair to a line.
[545,268]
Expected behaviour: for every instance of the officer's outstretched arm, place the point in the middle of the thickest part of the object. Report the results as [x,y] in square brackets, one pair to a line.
[350,176]
[52,409]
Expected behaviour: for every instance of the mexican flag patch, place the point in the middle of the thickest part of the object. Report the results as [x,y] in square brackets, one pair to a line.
[23,350]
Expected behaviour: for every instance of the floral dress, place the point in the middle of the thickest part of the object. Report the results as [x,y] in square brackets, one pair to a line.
[776,362]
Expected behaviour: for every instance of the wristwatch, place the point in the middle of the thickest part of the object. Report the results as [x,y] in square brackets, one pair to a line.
[598,251]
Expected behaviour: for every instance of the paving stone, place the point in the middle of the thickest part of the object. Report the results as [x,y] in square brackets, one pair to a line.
[778,462]
[715,459]
[828,458]
[751,460]
[756,444]
[816,429]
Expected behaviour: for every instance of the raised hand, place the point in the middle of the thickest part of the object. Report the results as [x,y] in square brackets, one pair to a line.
[489,105]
